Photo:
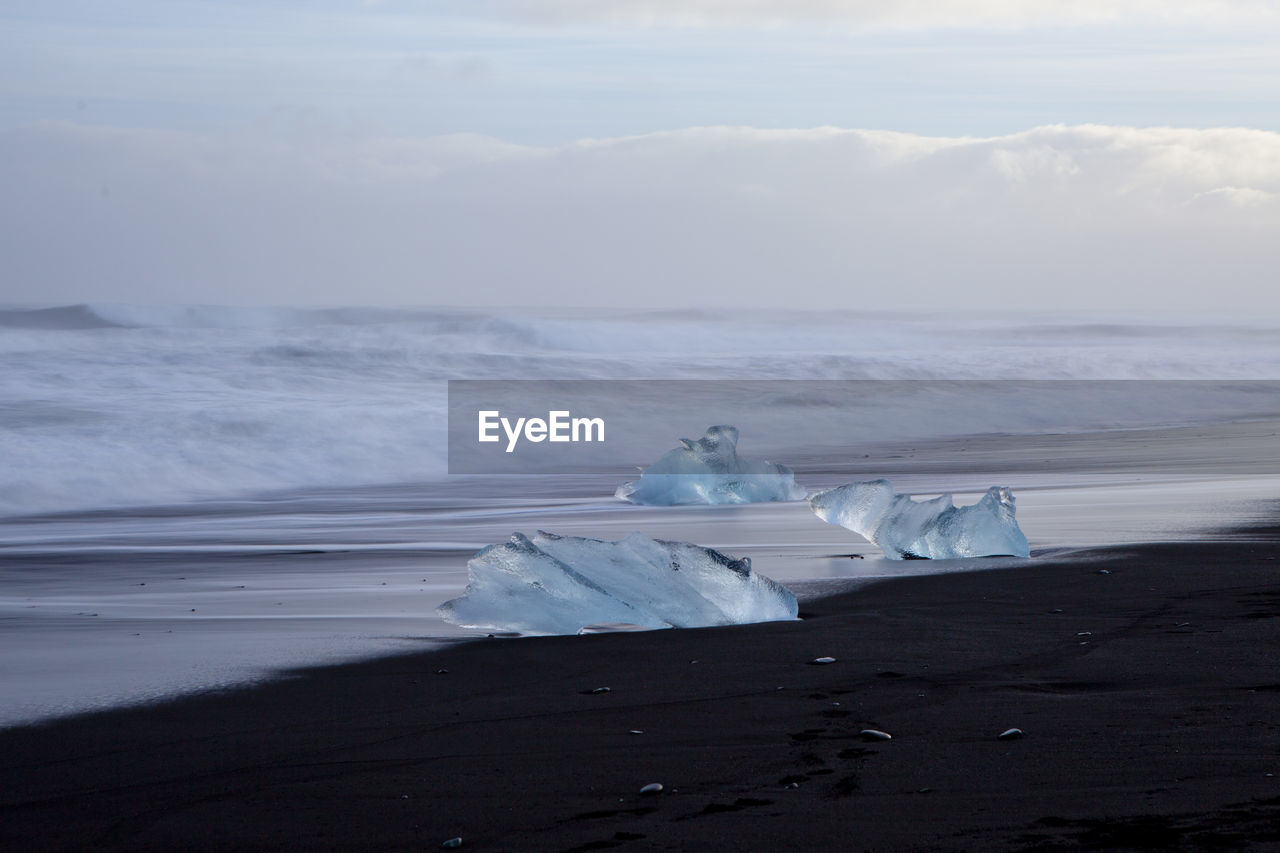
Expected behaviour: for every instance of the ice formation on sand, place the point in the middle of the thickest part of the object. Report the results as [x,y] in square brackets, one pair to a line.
[708,470]
[552,584]
[933,529]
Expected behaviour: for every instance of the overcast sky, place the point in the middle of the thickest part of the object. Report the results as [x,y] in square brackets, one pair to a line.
[1082,155]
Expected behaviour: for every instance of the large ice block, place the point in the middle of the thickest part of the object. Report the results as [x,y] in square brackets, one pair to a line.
[932,529]
[551,584]
[708,470]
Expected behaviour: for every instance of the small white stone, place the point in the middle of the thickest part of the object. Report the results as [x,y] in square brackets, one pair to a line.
[1009,734]
[636,732]
[652,788]
[452,843]
[823,660]
[874,734]
[602,690]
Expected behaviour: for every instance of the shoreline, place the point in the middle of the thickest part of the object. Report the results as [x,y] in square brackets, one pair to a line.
[1150,706]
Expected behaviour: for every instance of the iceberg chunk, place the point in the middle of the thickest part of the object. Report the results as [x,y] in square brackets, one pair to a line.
[708,470]
[933,529]
[552,584]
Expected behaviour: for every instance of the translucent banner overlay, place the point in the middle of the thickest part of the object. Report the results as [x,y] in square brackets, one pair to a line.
[544,427]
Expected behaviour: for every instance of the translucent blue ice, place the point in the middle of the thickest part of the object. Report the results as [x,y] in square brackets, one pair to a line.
[933,529]
[552,584]
[708,470]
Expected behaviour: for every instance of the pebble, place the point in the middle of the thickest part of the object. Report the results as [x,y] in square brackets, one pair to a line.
[602,690]
[1104,571]
[1009,734]
[652,788]
[442,672]
[823,660]
[1056,610]
[874,734]
[636,732]
[452,843]
[791,786]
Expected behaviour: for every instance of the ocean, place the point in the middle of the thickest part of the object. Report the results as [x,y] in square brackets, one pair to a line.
[194,497]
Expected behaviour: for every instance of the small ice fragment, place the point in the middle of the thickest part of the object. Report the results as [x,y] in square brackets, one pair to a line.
[601,690]
[874,734]
[549,584]
[636,732]
[1009,734]
[708,470]
[452,843]
[936,529]
[652,788]
[823,660]
[1104,571]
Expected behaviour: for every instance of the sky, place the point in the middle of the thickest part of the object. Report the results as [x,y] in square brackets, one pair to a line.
[975,154]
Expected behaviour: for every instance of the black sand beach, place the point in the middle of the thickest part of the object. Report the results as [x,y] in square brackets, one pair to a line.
[1146,680]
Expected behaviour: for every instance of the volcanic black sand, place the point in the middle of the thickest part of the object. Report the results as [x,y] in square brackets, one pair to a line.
[1146,681]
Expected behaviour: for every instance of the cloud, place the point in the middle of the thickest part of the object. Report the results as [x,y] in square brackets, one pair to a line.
[882,13]
[1085,217]
[1247,197]
[425,66]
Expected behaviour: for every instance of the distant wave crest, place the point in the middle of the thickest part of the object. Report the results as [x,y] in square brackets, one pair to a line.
[66,317]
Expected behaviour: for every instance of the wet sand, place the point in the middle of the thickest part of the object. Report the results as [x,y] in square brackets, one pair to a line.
[1146,680]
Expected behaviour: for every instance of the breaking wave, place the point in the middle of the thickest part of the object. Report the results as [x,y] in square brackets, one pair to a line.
[112,405]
